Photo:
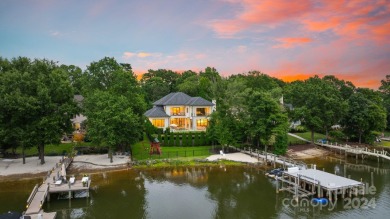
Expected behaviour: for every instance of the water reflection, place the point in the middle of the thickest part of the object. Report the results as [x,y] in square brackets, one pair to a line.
[207,192]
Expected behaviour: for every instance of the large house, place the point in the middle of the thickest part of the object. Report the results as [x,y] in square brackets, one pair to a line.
[178,111]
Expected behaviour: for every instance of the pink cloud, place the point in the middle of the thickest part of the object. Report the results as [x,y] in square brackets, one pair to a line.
[358,20]
[265,12]
[290,42]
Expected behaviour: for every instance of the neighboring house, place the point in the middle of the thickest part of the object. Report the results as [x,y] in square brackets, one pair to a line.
[179,111]
[78,119]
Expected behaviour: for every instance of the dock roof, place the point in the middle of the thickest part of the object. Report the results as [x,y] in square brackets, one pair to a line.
[328,180]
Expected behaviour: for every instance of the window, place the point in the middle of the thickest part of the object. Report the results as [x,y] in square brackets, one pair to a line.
[202,122]
[175,110]
[200,111]
[158,122]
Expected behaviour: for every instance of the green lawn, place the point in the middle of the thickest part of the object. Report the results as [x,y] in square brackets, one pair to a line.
[52,149]
[294,141]
[142,148]
[307,135]
[383,144]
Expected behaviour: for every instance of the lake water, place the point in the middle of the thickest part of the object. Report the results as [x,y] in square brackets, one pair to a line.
[216,192]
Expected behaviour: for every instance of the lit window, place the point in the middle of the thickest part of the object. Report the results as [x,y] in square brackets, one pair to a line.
[202,122]
[158,122]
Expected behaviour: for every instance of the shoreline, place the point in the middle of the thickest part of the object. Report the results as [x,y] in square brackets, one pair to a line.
[13,169]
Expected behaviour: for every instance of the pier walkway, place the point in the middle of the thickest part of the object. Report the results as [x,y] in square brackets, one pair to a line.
[355,150]
[269,157]
[53,184]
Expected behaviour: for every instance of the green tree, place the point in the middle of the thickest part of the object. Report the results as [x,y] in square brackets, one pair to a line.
[365,114]
[36,103]
[111,121]
[317,103]
[155,88]
[109,81]
[76,77]
[385,90]
[266,118]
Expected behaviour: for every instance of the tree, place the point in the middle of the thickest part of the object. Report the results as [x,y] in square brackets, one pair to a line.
[266,119]
[365,114]
[113,100]
[36,103]
[155,88]
[76,77]
[112,121]
[385,90]
[317,103]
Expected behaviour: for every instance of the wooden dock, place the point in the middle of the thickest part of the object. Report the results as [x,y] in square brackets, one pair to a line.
[272,158]
[53,184]
[356,151]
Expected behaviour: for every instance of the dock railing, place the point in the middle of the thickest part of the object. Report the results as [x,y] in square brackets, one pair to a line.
[354,150]
[31,197]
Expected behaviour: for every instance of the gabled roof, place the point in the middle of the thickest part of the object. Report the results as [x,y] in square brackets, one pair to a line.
[156,111]
[180,98]
[198,101]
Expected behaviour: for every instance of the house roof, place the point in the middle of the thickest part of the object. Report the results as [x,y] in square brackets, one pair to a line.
[177,98]
[198,101]
[156,111]
[180,98]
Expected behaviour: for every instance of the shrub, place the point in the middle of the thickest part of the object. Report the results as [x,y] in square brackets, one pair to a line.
[336,134]
[196,139]
[171,140]
[298,129]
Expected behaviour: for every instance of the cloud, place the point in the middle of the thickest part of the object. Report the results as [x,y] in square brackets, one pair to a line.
[290,42]
[254,12]
[55,33]
[356,21]
[129,55]
[322,25]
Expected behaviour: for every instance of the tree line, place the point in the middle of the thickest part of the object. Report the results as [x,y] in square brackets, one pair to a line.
[36,104]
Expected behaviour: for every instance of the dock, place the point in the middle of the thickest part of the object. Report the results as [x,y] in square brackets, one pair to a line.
[54,182]
[271,158]
[310,182]
[355,151]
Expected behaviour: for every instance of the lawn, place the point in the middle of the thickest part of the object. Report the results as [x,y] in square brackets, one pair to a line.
[307,135]
[141,151]
[383,144]
[51,149]
[295,141]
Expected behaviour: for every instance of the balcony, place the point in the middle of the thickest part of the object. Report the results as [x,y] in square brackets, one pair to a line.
[202,114]
[178,113]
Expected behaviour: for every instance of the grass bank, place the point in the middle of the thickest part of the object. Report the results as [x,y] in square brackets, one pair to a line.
[183,162]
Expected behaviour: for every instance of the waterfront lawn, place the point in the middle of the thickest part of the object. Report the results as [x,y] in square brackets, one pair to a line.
[142,153]
[295,141]
[51,149]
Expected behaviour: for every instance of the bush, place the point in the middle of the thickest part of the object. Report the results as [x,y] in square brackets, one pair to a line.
[298,129]
[336,134]
[170,140]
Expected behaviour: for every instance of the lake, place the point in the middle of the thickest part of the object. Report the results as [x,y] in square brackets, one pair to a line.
[208,192]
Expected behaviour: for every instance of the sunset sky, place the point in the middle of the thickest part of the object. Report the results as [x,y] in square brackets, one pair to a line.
[288,39]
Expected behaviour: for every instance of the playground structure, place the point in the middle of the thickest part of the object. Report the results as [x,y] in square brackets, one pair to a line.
[155,147]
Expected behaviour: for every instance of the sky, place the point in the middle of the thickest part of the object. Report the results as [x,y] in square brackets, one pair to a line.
[282,38]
